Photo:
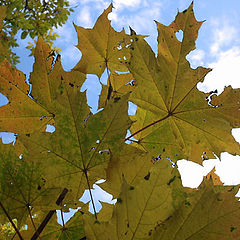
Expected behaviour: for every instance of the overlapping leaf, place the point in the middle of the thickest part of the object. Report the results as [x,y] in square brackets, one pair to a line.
[24,114]
[139,208]
[210,213]
[173,117]
[102,47]
[23,190]
[118,85]
[77,153]
[130,164]
[71,230]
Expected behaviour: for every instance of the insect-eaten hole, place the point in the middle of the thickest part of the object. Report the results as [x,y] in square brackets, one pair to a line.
[104,151]
[156,159]
[8,137]
[50,128]
[179,35]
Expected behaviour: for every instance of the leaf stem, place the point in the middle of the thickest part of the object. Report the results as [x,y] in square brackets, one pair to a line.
[49,215]
[62,218]
[149,125]
[11,221]
[89,188]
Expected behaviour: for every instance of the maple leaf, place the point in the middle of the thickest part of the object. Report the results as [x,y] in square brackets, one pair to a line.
[89,139]
[118,85]
[130,164]
[102,47]
[22,189]
[173,118]
[210,213]
[22,114]
[73,229]
[138,208]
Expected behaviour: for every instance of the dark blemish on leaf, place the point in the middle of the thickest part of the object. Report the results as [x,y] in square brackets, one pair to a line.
[61,78]
[128,225]
[147,176]
[116,99]
[28,134]
[71,84]
[39,187]
[171,180]
[172,36]
[82,212]
[131,188]
[136,39]
[96,222]
[230,189]
[119,200]
[187,203]
[232,229]
[163,150]
[150,233]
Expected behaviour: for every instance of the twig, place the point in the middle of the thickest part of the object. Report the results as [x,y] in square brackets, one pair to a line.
[11,221]
[89,188]
[49,215]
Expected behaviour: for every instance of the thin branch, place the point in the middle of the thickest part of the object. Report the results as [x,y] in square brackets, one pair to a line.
[149,125]
[89,188]
[62,218]
[11,221]
[49,215]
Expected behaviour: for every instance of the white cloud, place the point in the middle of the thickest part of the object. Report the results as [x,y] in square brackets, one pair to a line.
[140,20]
[223,36]
[118,4]
[226,71]
[228,169]
[196,57]
[84,17]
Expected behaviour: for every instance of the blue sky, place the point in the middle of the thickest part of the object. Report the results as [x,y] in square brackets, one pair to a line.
[218,46]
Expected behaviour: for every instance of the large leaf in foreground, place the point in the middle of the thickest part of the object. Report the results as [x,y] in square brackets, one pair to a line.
[102,47]
[77,153]
[211,213]
[138,208]
[173,116]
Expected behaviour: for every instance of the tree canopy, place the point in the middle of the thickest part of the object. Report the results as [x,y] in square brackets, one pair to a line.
[46,171]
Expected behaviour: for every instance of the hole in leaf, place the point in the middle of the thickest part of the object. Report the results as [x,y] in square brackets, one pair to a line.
[8,137]
[132,108]
[3,100]
[179,35]
[50,128]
